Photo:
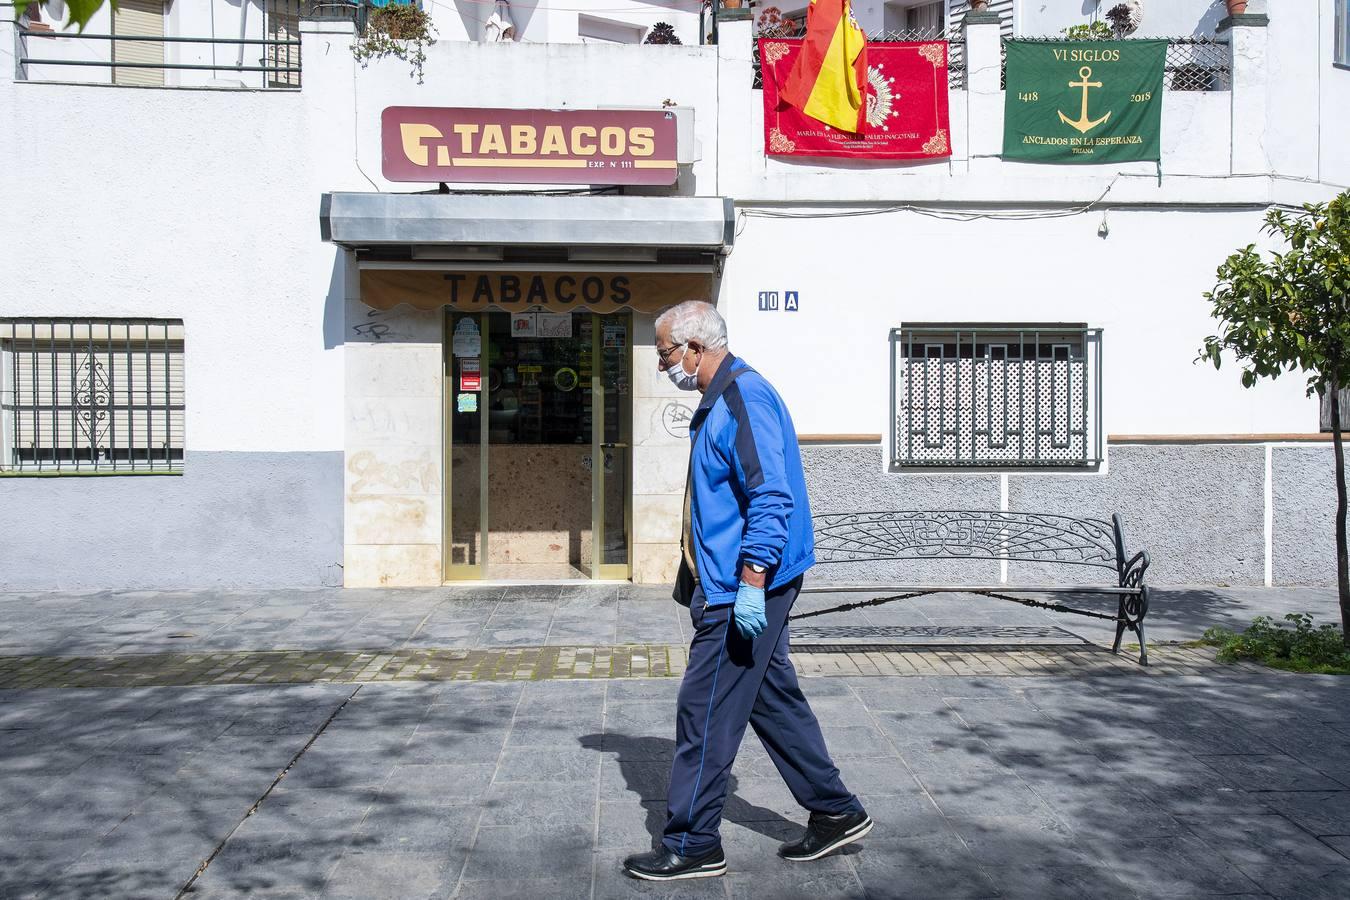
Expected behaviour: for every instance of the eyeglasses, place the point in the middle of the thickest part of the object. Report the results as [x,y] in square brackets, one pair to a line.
[664,355]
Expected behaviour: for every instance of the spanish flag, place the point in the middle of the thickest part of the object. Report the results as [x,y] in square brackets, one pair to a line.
[829,80]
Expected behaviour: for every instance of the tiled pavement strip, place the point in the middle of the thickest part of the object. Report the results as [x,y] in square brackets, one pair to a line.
[518,744]
[554,663]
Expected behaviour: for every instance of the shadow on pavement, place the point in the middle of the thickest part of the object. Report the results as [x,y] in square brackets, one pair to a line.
[635,754]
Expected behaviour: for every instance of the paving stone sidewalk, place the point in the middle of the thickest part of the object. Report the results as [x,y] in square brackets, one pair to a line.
[1198,780]
[144,622]
[550,663]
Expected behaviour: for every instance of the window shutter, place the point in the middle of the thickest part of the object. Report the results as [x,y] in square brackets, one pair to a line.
[142,18]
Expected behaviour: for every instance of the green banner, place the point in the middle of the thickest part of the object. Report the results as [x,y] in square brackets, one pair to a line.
[1083,101]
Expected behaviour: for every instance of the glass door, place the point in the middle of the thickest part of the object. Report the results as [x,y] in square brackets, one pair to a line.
[464,483]
[537,473]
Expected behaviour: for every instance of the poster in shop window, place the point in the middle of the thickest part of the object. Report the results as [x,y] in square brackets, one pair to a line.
[1084,101]
[522,325]
[907,115]
[554,325]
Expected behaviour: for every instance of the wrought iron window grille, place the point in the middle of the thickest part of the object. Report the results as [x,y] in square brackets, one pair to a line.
[91,396]
[996,396]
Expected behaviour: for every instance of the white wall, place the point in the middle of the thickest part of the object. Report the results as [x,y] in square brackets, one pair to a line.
[538,22]
[859,277]
[204,206]
[182,204]
[1162,18]
[219,227]
[1334,87]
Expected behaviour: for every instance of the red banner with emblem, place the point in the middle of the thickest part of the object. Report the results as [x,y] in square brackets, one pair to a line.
[907,114]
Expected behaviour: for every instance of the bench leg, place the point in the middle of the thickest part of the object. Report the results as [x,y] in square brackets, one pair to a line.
[1122,622]
[1141,613]
[1130,614]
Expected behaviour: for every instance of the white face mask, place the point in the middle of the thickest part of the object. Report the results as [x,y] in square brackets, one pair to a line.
[683,380]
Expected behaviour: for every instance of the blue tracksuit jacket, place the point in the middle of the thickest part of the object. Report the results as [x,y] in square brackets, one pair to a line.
[748,499]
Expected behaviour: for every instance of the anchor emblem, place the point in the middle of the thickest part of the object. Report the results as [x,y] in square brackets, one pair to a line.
[1083,123]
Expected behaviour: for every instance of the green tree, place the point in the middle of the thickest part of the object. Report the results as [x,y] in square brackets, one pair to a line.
[81,11]
[1289,312]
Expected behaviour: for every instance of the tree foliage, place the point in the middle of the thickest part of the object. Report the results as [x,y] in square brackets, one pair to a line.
[1292,312]
[1289,312]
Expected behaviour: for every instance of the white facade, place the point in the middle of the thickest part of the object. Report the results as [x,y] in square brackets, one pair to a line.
[203,206]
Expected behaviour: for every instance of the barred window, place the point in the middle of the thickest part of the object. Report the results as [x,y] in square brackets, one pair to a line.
[91,395]
[996,395]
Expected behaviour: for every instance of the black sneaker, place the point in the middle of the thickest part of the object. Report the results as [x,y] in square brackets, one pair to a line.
[664,865]
[825,834]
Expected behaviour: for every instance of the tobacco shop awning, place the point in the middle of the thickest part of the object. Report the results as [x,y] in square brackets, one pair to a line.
[361,221]
[469,251]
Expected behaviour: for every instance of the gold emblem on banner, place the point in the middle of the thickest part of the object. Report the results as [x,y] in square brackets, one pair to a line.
[937,144]
[934,53]
[775,51]
[881,98]
[1083,123]
[779,142]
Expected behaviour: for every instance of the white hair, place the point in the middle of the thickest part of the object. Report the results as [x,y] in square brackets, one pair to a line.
[695,320]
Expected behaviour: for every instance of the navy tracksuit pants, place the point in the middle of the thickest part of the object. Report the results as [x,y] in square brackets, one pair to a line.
[731,682]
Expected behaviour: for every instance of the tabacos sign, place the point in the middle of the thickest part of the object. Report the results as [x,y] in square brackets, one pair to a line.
[537,146]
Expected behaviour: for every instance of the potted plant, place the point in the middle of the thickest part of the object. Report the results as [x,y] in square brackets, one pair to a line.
[402,30]
[773,24]
[1237,7]
[1088,31]
[662,33]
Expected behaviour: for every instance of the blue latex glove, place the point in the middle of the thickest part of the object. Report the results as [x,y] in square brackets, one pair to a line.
[749,611]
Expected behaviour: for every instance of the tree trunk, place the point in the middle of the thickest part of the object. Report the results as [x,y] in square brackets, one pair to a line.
[1342,564]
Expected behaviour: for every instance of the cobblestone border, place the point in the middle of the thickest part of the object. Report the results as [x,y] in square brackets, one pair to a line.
[554,663]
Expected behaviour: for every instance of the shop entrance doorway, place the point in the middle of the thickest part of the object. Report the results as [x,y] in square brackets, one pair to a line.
[538,431]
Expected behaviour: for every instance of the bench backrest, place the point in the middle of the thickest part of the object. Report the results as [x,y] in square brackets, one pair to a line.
[956,534]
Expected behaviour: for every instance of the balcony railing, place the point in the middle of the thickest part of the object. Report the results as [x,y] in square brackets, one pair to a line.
[1194,63]
[265,54]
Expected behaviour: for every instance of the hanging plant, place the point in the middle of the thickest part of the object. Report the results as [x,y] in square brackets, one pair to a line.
[400,30]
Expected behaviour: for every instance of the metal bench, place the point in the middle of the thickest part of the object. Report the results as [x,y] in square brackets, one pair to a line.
[872,537]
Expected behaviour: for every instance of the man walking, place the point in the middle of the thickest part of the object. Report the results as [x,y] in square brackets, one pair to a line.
[747,542]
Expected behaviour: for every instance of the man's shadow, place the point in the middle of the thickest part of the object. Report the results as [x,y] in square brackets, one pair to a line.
[641,760]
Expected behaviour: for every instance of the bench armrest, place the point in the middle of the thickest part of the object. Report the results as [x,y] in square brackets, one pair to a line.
[1132,575]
